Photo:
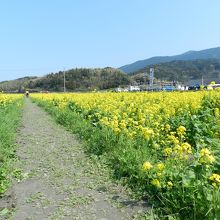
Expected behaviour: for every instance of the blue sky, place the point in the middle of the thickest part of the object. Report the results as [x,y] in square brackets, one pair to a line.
[42,36]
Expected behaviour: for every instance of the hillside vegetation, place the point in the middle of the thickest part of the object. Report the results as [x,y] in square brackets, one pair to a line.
[212,53]
[76,80]
[188,72]
[184,71]
[17,84]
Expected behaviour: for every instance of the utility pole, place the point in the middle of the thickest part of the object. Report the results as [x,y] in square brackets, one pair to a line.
[151,77]
[64,80]
[145,80]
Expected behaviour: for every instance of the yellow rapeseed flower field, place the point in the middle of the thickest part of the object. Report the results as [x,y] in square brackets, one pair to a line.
[6,99]
[175,139]
[131,113]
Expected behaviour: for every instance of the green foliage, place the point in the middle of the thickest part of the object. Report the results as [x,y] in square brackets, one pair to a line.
[188,56]
[18,85]
[191,194]
[184,71]
[76,80]
[83,79]
[9,120]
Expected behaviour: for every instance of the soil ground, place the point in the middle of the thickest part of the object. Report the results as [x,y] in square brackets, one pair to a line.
[60,180]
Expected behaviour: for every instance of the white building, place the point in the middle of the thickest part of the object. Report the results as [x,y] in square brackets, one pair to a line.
[134,89]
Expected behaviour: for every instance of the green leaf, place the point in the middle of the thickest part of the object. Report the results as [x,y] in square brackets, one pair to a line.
[4,212]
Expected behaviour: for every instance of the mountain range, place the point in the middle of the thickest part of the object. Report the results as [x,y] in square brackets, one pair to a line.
[192,67]
[212,53]
[189,72]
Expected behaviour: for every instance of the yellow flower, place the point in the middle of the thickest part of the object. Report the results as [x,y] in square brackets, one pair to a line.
[147,133]
[181,130]
[215,177]
[123,124]
[159,174]
[177,149]
[169,184]
[206,156]
[204,152]
[160,166]
[173,139]
[156,182]
[147,166]
[186,148]
[167,151]
[167,127]
[183,151]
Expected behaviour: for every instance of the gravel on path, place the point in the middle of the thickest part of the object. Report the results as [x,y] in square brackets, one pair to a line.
[60,180]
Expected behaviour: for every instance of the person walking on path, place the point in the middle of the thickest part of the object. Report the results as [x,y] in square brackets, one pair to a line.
[27,94]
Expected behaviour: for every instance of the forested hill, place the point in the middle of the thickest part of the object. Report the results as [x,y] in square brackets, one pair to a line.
[184,71]
[17,84]
[76,80]
[83,79]
[212,53]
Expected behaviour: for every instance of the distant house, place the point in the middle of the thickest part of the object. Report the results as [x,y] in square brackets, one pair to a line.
[168,88]
[181,87]
[134,88]
[118,89]
[205,81]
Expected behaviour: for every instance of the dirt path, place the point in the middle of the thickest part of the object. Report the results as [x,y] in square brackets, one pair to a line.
[61,181]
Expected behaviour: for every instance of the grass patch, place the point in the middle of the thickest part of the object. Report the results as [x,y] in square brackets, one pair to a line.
[10,115]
